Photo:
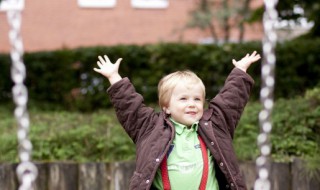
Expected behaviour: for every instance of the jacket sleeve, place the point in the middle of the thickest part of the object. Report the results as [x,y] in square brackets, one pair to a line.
[131,112]
[229,103]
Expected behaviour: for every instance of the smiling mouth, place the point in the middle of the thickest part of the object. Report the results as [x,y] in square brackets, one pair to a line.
[192,113]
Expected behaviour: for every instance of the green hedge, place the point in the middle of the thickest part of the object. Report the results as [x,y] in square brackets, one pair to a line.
[98,136]
[63,135]
[295,132]
[66,77]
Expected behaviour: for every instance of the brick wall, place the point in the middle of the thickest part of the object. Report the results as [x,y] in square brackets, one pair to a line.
[56,24]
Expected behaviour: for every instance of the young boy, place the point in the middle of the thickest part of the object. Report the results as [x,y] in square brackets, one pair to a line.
[184,147]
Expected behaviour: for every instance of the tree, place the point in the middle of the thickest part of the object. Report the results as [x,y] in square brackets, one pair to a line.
[212,15]
[286,11]
[245,13]
[201,17]
[311,12]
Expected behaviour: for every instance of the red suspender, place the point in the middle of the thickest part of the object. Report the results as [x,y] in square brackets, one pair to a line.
[205,165]
[204,178]
[164,174]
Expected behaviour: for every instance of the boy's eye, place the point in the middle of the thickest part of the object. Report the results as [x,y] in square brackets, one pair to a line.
[197,99]
[183,98]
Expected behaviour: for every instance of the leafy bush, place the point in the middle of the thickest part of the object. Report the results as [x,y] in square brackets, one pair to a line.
[66,77]
[60,135]
[97,136]
[295,133]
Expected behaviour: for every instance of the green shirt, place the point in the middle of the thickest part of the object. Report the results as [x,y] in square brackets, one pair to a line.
[185,163]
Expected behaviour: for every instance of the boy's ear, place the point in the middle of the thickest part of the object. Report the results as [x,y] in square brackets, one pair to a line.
[166,110]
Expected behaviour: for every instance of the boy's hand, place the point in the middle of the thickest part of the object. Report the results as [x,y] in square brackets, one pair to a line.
[108,69]
[246,61]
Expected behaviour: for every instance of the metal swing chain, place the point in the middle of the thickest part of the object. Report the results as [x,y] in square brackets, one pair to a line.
[266,94]
[26,171]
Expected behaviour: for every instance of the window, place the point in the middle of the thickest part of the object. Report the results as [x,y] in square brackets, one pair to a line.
[150,4]
[6,5]
[97,3]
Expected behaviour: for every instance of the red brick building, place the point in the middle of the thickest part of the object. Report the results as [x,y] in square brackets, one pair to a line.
[56,24]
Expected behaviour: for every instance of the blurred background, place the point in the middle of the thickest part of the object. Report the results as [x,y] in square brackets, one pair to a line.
[71,117]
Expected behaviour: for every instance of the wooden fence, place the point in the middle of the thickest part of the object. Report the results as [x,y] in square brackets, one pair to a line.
[116,176]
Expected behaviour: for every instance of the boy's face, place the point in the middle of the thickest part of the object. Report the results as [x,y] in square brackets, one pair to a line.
[186,104]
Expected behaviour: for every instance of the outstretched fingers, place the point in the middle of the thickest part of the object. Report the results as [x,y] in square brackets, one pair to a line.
[254,56]
[118,62]
[234,61]
[97,70]
[99,64]
[101,60]
[107,59]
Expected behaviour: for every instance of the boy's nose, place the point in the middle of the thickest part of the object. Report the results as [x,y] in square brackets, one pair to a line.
[191,103]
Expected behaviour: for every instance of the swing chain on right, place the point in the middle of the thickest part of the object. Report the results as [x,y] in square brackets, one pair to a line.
[266,95]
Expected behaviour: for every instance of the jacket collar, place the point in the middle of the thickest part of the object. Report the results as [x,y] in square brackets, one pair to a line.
[207,115]
[181,127]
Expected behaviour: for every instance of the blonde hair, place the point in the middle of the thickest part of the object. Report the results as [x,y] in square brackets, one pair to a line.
[168,82]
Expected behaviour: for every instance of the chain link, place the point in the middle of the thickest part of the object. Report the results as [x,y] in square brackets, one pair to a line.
[266,95]
[26,171]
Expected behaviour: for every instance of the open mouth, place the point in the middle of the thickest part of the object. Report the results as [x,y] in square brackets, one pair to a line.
[192,113]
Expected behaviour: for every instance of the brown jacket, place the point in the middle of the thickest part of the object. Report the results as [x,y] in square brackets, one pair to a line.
[153,133]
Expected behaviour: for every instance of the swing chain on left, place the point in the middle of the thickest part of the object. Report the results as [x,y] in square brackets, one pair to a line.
[27,172]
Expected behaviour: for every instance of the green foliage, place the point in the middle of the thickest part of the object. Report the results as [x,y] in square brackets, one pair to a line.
[312,167]
[286,11]
[66,77]
[295,133]
[5,78]
[296,68]
[97,136]
[311,10]
[60,135]
[296,122]
[246,133]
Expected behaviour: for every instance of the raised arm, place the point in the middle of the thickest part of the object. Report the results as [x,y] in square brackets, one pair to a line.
[134,116]
[246,61]
[229,103]
[108,69]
